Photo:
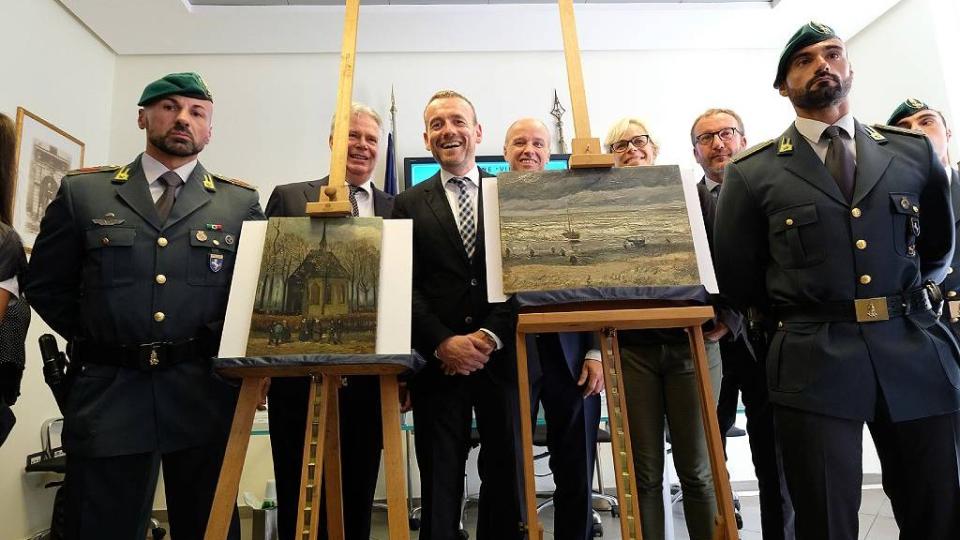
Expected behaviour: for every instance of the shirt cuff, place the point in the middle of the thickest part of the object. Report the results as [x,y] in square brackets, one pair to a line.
[494,337]
[593,354]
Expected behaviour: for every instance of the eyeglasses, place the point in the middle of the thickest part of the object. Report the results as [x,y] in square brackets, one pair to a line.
[638,142]
[725,134]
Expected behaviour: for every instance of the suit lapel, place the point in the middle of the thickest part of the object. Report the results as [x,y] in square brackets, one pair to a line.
[136,194]
[379,199]
[311,193]
[872,162]
[191,197]
[955,194]
[805,164]
[436,197]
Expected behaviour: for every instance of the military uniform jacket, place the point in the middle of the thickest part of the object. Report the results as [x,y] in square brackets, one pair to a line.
[105,270]
[785,235]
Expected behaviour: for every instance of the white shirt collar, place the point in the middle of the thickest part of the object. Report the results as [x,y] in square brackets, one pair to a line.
[153,169]
[366,187]
[812,129]
[473,174]
[711,185]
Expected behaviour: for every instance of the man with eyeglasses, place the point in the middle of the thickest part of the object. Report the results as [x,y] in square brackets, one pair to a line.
[917,115]
[717,135]
[839,231]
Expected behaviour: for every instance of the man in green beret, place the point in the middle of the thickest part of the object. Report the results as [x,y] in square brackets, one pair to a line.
[132,267]
[838,232]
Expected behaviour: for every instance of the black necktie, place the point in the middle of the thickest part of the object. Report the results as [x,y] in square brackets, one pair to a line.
[839,162]
[165,202]
[353,200]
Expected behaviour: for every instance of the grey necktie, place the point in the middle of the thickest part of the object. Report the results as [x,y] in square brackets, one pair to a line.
[353,199]
[839,162]
[165,202]
[468,225]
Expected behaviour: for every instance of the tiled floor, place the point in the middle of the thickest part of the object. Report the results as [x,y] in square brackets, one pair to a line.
[876,520]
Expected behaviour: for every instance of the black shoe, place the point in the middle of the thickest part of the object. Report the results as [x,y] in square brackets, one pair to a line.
[734,431]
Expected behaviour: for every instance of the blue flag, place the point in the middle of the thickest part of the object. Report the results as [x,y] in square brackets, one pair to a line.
[390,175]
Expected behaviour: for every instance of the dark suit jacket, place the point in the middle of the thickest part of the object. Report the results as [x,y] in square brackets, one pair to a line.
[449,289]
[290,200]
[951,285]
[785,235]
[93,277]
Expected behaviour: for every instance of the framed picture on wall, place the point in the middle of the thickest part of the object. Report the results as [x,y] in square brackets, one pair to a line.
[44,154]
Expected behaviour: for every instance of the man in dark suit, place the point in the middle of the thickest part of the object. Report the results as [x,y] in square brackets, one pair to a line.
[839,231]
[132,266]
[917,115]
[717,135]
[361,439]
[467,340]
[566,375]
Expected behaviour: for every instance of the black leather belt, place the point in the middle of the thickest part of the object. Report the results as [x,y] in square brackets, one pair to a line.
[145,357]
[862,310]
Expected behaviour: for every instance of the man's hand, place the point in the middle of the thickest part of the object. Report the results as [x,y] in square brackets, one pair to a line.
[719,330]
[264,388]
[405,403]
[483,342]
[591,377]
[460,355]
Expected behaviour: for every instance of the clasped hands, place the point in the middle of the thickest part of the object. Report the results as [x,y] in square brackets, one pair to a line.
[462,355]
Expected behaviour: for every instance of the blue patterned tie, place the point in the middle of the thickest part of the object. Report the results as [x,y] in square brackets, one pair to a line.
[468,225]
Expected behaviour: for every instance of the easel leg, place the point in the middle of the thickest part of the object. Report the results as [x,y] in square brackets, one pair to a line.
[534,528]
[630,525]
[397,524]
[225,497]
[726,525]
[331,472]
[308,518]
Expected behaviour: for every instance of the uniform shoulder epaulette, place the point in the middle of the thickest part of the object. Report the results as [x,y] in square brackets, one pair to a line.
[900,130]
[88,170]
[751,151]
[233,181]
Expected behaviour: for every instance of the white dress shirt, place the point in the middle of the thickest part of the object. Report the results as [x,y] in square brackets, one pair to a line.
[153,170]
[812,131]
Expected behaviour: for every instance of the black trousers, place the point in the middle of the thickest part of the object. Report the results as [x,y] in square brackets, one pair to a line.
[442,410]
[743,373]
[111,497]
[361,442]
[823,463]
[571,439]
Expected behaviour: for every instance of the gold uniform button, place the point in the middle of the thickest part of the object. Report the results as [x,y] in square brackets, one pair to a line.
[865,279]
[916,210]
[856,212]
[162,242]
[201,236]
[105,241]
[159,316]
[905,203]
[789,222]
[161,279]
[949,270]
[952,294]
[861,244]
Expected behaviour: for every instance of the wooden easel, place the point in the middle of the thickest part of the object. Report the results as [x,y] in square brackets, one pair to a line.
[607,319]
[321,446]
[321,451]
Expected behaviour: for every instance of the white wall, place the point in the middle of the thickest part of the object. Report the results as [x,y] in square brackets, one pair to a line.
[56,69]
[272,112]
[905,53]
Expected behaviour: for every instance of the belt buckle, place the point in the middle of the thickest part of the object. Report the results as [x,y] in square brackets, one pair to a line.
[871,309]
[954,307]
[152,354]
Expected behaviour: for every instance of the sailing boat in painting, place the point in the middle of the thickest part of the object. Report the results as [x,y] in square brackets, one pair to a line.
[570,234]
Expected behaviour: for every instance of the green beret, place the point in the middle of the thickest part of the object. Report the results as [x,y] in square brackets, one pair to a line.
[909,107]
[180,84]
[808,34]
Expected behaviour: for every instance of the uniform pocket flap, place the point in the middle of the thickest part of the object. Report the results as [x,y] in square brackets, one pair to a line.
[103,237]
[792,217]
[221,240]
[905,203]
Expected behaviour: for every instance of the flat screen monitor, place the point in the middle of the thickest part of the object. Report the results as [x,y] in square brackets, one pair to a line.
[418,169]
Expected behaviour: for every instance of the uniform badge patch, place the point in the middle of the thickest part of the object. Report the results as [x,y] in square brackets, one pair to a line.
[108,219]
[216,262]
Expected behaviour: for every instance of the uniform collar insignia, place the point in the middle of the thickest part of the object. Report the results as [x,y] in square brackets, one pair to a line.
[785,147]
[208,183]
[122,175]
[875,135]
